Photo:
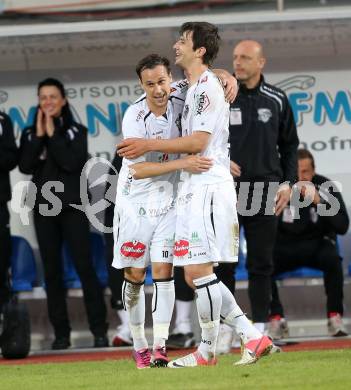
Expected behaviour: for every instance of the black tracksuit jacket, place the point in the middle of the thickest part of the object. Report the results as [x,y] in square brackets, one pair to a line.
[8,156]
[59,158]
[263,136]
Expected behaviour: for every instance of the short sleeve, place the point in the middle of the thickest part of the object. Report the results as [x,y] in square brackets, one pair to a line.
[208,98]
[133,125]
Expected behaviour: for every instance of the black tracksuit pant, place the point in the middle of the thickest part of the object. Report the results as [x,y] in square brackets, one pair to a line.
[321,254]
[5,254]
[260,231]
[72,226]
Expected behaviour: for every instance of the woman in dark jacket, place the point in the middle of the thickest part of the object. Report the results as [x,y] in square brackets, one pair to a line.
[54,151]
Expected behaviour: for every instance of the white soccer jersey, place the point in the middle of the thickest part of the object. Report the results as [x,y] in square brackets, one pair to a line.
[205,109]
[140,122]
[144,218]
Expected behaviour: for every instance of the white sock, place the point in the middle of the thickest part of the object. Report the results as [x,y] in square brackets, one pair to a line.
[183,316]
[232,315]
[225,328]
[123,317]
[134,301]
[208,302]
[259,326]
[162,309]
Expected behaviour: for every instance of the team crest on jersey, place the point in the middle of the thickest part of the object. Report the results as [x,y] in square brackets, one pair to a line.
[204,80]
[264,114]
[202,102]
[133,249]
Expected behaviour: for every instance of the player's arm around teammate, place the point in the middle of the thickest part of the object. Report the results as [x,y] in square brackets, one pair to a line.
[144,223]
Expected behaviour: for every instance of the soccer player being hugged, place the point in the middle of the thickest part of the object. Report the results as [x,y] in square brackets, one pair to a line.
[144,218]
[207,225]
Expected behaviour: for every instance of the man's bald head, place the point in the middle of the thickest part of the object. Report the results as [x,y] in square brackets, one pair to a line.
[248,62]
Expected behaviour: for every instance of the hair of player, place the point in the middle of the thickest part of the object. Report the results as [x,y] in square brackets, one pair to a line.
[204,35]
[304,153]
[150,62]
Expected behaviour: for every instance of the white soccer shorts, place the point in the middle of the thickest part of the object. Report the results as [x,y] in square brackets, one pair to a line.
[143,233]
[207,224]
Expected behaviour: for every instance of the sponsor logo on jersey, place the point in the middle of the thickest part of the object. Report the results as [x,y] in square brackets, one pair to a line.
[202,103]
[157,133]
[264,114]
[183,86]
[185,199]
[133,249]
[140,115]
[160,211]
[181,248]
[142,211]
[195,240]
[169,241]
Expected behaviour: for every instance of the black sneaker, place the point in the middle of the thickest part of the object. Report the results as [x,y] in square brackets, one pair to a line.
[181,341]
[100,342]
[61,342]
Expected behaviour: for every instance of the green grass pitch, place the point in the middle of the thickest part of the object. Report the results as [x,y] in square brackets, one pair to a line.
[291,370]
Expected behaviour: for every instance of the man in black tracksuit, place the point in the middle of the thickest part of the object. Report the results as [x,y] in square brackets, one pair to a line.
[310,241]
[8,161]
[54,150]
[263,145]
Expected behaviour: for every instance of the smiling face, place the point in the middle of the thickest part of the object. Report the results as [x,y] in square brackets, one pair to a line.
[51,100]
[156,83]
[184,51]
[248,62]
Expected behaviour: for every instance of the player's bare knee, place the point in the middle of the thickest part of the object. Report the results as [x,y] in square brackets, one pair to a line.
[189,280]
[162,270]
[136,275]
[131,288]
[196,271]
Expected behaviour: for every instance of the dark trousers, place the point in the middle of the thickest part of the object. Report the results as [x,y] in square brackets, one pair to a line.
[321,254]
[115,276]
[224,272]
[260,232]
[5,254]
[72,226]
